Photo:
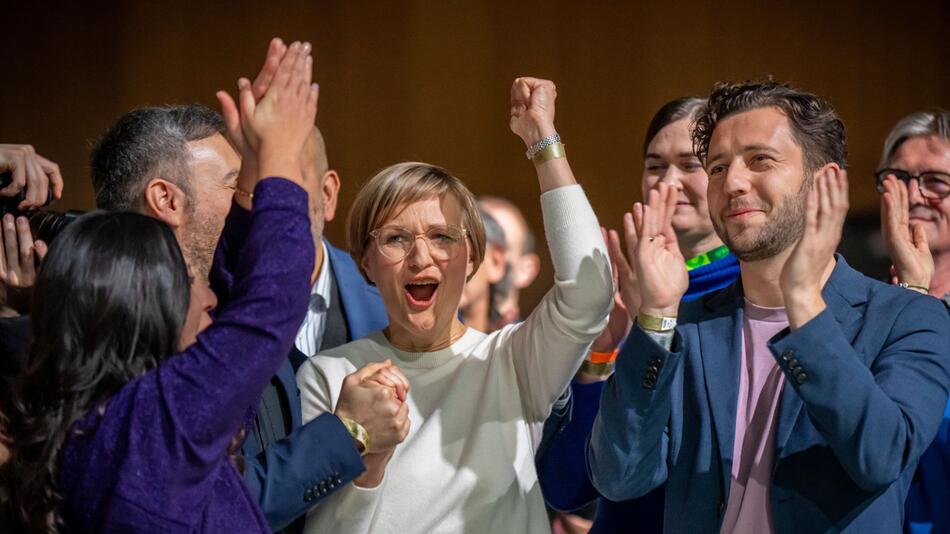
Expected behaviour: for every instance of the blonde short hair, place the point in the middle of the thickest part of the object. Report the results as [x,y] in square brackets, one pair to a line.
[399,185]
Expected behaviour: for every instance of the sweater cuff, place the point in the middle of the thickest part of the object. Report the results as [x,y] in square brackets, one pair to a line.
[280,193]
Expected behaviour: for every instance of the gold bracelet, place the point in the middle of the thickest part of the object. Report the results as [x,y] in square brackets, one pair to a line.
[656,324]
[552,151]
[597,369]
[358,433]
[914,287]
[243,193]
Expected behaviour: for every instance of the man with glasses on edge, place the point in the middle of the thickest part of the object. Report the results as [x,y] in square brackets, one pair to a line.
[914,178]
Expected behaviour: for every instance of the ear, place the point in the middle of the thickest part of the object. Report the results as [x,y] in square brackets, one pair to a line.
[525,270]
[829,170]
[166,202]
[331,190]
[494,264]
[470,267]
[364,263]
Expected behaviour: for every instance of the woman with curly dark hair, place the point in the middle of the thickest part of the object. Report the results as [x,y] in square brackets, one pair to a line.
[113,430]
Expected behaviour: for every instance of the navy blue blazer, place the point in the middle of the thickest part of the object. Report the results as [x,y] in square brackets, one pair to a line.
[867,382]
[291,475]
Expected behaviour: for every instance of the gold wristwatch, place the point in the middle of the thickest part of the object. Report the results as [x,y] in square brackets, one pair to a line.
[358,433]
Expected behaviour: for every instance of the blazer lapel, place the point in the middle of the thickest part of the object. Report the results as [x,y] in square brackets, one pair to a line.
[362,305]
[842,294]
[720,347]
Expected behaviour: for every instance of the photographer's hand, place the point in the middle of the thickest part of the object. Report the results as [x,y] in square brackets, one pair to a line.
[18,260]
[32,172]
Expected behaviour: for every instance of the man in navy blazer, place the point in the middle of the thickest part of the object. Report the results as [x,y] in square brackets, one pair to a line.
[174,163]
[798,399]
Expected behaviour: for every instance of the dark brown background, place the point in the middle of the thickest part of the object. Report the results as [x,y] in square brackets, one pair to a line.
[429,80]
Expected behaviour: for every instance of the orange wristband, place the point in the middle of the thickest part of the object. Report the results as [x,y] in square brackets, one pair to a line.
[603,357]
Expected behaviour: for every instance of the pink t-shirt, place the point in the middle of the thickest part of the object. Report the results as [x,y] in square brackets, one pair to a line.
[760,390]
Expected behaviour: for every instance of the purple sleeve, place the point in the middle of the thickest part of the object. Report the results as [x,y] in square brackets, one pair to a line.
[228,251]
[206,390]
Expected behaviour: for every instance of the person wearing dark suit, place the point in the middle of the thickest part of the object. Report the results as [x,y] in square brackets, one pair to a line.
[181,164]
[284,465]
[798,399]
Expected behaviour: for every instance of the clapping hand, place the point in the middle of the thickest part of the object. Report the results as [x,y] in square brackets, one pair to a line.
[906,245]
[807,267]
[653,277]
[275,125]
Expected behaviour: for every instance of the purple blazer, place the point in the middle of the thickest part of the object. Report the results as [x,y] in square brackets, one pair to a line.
[156,459]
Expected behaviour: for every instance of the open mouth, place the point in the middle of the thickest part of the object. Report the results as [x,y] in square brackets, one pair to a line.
[421,294]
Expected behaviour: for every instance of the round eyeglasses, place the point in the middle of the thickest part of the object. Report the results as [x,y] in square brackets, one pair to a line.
[396,242]
[933,184]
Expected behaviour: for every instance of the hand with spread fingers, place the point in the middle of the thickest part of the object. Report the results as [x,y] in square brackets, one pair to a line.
[274,115]
[907,245]
[807,267]
[620,318]
[656,264]
[232,117]
[37,177]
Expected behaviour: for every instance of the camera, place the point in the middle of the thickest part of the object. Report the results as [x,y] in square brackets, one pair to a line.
[45,225]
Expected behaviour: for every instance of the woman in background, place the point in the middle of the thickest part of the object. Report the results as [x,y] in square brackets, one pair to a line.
[668,158]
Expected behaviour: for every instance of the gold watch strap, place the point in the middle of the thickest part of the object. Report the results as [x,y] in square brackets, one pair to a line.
[655,323]
[358,433]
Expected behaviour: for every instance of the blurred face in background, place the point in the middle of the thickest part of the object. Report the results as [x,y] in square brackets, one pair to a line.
[926,154]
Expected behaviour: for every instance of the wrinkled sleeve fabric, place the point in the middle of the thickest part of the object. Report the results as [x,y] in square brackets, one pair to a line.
[349,508]
[548,347]
[877,420]
[629,443]
[288,477]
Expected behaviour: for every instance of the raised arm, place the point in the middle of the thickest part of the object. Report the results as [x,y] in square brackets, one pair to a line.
[629,443]
[233,359]
[548,347]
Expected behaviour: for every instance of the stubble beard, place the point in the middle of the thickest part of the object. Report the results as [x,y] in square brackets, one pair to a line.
[782,229]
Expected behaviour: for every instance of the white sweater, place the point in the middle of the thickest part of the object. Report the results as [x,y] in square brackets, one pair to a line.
[477,407]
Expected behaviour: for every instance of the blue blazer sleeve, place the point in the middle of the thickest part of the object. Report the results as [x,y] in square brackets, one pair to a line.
[877,420]
[630,440]
[294,474]
[562,470]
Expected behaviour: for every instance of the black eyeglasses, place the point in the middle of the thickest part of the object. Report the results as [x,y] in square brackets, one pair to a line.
[933,184]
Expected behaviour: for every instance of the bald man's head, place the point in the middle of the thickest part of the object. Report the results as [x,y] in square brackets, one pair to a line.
[322,183]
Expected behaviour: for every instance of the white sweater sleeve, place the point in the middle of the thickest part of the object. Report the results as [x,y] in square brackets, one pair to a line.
[548,347]
[350,509]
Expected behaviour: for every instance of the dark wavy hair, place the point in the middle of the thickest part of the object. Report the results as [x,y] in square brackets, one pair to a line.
[672,111]
[109,304]
[815,125]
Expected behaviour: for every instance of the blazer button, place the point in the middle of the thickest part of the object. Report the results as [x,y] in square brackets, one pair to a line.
[801,378]
[787,354]
[648,384]
[308,496]
[657,363]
